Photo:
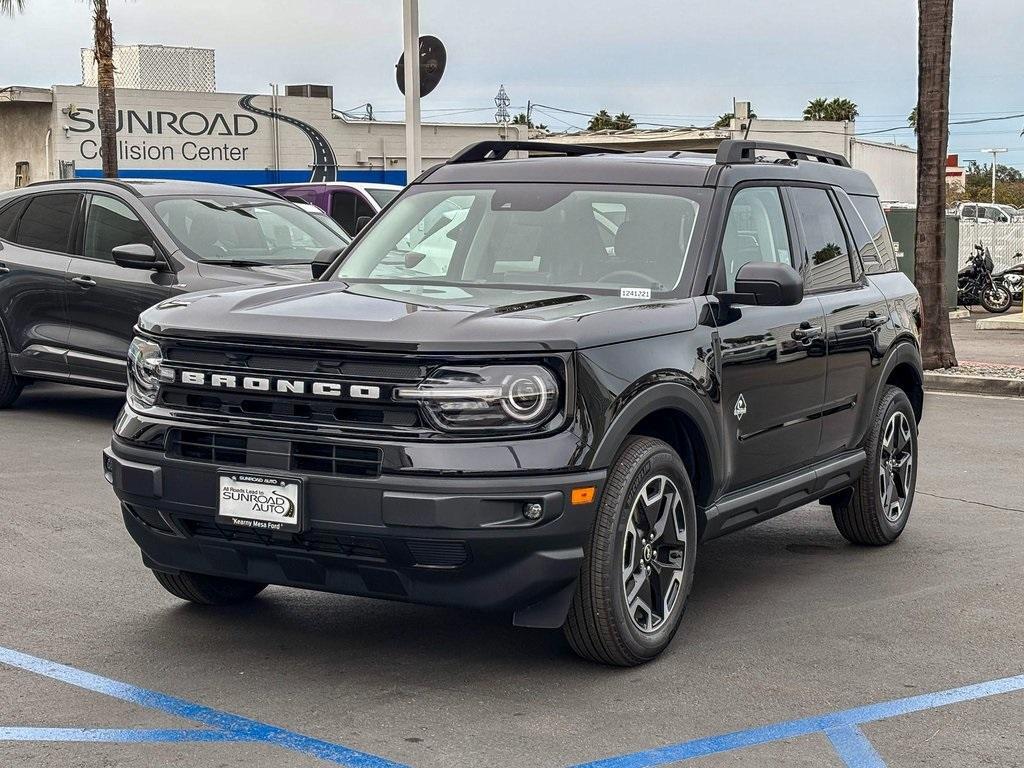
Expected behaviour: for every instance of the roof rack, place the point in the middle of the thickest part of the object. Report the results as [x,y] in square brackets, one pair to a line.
[733,151]
[101,180]
[483,151]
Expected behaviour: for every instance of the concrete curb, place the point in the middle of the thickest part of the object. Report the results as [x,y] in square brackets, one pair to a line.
[960,313]
[978,385]
[1014,322]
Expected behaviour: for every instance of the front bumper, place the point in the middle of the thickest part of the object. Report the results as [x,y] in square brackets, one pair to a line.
[444,540]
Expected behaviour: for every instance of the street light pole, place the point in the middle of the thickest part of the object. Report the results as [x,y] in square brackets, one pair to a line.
[413,136]
[994,153]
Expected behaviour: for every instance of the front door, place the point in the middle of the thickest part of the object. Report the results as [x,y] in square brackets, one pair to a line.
[104,299]
[771,359]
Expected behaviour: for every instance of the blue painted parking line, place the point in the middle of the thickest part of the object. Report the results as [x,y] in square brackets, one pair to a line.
[854,748]
[839,725]
[235,727]
[115,735]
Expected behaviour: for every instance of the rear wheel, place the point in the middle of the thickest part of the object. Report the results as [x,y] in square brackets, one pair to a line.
[877,510]
[638,566]
[208,590]
[10,385]
[996,299]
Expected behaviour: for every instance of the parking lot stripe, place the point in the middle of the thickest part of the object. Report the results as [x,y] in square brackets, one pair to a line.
[712,745]
[854,748]
[240,728]
[115,735]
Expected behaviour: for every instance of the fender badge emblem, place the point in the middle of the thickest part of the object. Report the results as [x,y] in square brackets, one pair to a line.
[740,409]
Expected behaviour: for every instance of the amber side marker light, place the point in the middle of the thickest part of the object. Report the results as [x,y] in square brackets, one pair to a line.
[583,495]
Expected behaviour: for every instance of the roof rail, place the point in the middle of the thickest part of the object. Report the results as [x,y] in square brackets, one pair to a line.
[733,151]
[483,151]
[100,180]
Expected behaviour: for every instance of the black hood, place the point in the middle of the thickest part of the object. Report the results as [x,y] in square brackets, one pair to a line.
[410,318]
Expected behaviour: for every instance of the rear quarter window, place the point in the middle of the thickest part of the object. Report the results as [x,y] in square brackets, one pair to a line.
[873,240]
[9,217]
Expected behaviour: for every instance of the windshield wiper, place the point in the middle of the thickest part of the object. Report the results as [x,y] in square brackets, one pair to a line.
[236,208]
[238,262]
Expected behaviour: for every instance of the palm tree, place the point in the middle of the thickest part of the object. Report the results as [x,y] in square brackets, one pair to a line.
[816,109]
[601,121]
[103,50]
[623,122]
[934,35]
[912,119]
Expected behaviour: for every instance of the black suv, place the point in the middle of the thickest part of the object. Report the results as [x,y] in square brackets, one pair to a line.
[536,385]
[80,259]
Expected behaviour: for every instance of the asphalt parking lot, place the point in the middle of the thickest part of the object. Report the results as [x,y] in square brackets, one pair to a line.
[786,621]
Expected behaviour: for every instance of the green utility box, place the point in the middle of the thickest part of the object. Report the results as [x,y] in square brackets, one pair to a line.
[902,225]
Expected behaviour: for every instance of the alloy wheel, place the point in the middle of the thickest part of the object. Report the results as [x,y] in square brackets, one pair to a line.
[653,554]
[895,466]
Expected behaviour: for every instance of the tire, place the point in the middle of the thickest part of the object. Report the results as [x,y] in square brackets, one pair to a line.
[10,385]
[996,299]
[208,590]
[869,514]
[600,627]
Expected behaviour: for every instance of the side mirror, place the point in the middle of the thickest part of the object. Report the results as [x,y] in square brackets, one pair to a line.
[361,223]
[765,284]
[323,260]
[136,256]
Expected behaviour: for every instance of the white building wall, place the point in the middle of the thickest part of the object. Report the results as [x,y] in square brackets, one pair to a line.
[891,167]
[210,136]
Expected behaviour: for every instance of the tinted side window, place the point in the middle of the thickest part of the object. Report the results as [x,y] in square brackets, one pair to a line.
[828,256]
[755,231]
[111,223]
[878,229]
[8,217]
[47,221]
[347,208]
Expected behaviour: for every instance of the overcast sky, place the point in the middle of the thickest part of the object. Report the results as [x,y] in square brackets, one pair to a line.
[663,61]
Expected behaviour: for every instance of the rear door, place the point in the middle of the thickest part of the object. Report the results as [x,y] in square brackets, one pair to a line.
[35,243]
[772,358]
[104,299]
[855,312]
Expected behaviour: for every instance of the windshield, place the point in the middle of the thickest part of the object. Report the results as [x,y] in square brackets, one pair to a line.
[382,195]
[592,239]
[244,230]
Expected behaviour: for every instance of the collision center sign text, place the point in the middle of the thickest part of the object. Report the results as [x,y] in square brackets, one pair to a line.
[163,124]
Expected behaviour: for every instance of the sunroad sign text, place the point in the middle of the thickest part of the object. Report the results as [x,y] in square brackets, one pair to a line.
[280,386]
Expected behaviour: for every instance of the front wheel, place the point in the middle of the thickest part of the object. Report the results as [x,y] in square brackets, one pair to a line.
[639,561]
[876,511]
[996,299]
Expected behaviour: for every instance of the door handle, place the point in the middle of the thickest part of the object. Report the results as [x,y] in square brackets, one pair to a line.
[874,320]
[84,281]
[806,333]
[4,269]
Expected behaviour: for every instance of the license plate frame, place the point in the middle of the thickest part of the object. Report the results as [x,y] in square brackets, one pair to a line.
[259,502]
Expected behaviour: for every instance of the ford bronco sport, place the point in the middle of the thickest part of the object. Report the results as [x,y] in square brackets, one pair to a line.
[600,361]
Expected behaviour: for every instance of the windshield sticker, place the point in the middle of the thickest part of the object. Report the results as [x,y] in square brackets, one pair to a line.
[635,293]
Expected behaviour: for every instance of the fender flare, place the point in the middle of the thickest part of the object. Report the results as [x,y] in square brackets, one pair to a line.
[671,395]
[904,350]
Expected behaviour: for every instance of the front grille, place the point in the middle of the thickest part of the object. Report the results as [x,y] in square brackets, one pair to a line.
[319,411]
[364,547]
[297,456]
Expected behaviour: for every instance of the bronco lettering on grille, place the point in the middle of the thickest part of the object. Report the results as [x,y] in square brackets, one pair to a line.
[279,385]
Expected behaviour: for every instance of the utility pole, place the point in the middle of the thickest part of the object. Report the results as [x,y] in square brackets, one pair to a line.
[994,153]
[413,136]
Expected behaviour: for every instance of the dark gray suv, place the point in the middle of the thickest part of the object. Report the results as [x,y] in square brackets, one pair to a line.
[81,259]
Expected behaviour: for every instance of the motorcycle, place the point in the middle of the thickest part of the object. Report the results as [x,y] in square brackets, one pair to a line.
[1012,278]
[974,284]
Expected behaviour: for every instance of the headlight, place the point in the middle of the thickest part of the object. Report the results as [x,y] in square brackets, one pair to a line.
[146,371]
[489,397]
